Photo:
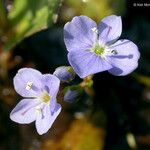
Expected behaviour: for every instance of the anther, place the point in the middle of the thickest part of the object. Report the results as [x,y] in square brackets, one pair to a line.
[95,30]
[114,52]
[29,85]
[38,110]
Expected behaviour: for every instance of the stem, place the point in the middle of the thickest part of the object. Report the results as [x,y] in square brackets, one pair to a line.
[87,85]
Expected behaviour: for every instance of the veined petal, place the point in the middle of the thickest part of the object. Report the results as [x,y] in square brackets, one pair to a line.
[51,83]
[87,63]
[53,104]
[27,76]
[45,119]
[126,59]
[110,29]
[79,33]
[24,112]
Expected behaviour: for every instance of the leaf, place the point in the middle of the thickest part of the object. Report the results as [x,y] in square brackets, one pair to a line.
[3,18]
[28,17]
[92,8]
[145,80]
[142,79]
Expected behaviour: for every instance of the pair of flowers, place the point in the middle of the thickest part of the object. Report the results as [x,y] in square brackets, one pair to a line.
[91,49]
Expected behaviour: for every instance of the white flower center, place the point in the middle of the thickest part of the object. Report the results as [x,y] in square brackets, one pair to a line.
[103,51]
[44,96]
[100,48]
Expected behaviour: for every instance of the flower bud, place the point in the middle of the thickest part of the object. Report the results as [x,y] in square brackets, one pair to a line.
[72,94]
[65,73]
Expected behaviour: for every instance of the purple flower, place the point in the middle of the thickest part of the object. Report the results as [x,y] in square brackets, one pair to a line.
[40,103]
[94,48]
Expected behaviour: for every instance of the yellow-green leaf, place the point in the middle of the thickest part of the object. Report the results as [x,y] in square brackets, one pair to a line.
[29,16]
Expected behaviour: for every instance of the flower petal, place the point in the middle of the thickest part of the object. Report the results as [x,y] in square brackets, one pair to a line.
[45,119]
[53,104]
[78,34]
[126,59]
[51,83]
[24,112]
[25,76]
[110,29]
[87,63]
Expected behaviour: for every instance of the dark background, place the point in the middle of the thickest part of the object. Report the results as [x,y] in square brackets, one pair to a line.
[123,100]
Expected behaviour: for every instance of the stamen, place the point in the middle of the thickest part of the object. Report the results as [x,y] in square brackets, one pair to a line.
[114,52]
[29,85]
[38,110]
[95,30]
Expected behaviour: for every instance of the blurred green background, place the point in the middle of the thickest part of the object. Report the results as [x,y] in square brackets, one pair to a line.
[116,117]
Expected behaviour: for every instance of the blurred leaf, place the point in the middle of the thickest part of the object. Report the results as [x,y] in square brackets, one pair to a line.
[131,141]
[143,79]
[29,16]
[4,24]
[3,17]
[95,9]
[82,135]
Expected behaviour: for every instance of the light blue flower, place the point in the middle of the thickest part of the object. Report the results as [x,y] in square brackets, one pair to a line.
[94,48]
[39,103]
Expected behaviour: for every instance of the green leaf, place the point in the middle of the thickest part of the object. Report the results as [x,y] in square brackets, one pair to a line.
[3,17]
[28,17]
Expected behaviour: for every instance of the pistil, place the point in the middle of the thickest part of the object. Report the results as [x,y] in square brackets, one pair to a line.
[99,50]
[45,97]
